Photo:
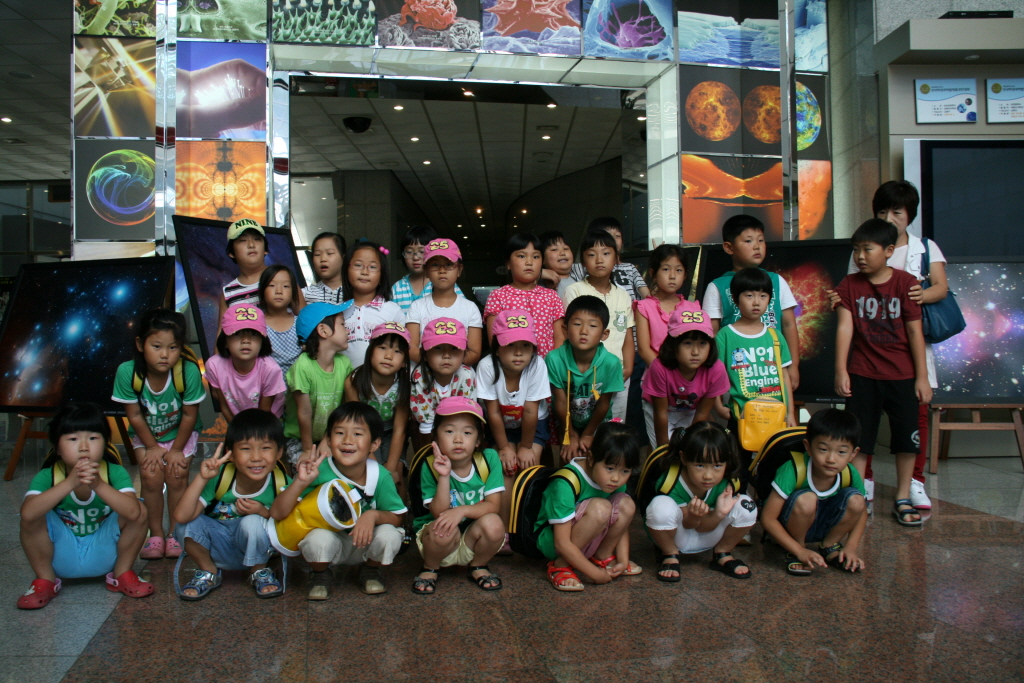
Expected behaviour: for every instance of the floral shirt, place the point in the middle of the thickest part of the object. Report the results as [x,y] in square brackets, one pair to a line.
[423,399]
[542,303]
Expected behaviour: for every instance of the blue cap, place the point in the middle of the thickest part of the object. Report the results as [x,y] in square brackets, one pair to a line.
[314,314]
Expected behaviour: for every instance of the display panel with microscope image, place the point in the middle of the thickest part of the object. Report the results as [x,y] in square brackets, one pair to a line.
[115,87]
[715,188]
[222,19]
[324,22]
[221,90]
[629,29]
[544,26]
[126,18]
[447,24]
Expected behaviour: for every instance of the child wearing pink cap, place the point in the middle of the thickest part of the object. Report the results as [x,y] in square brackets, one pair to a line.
[682,383]
[443,372]
[243,374]
[443,265]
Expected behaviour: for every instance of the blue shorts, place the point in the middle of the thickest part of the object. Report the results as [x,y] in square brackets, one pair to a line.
[79,557]
[235,543]
[540,435]
[830,511]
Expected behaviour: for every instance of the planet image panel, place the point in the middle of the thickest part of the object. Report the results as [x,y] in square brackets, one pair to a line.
[808,117]
[713,110]
[121,187]
[762,113]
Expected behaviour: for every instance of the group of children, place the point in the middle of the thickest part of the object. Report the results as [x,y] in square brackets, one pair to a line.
[323,388]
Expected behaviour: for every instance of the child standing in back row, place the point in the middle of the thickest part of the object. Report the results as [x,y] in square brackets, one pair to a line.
[414,285]
[247,247]
[328,251]
[279,299]
[366,283]
[667,272]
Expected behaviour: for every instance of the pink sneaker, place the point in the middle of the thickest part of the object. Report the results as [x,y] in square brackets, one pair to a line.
[154,548]
[172,549]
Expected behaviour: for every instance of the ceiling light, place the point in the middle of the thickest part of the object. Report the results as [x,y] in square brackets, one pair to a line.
[972,57]
[459,225]
[524,210]
[6,119]
[467,93]
[641,175]
[399,107]
[415,139]
[427,163]
[323,198]
[545,137]
[641,118]
[479,210]
[481,225]
[465,237]
[552,105]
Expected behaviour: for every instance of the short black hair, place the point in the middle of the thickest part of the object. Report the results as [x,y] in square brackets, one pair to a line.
[418,234]
[604,222]
[661,254]
[356,411]
[222,343]
[841,425]
[254,423]
[383,282]
[519,241]
[896,194]
[735,225]
[882,233]
[151,322]
[597,238]
[588,304]
[670,348]
[78,417]
[268,274]
[616,443]
[312,345]
[705,443]
[245,233]
[750,280]
[550,238]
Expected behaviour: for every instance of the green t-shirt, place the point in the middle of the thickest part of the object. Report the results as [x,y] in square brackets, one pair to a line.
[750,364]
[785,480]
[325,389]
[682,495]
[730,314]
[161,409]
[603,376]
[469,490]
[379,492]
[84,517]
[225,508]
[559,501]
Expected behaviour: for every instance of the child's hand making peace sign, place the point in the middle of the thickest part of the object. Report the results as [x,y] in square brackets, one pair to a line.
[211,466]
[307,471]
[442,464]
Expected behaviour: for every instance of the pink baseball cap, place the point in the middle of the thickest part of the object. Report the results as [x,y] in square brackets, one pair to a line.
[513,325]
[442,247]
[444,331]
[390,327]
[454,405]
[682,321]
[243,317]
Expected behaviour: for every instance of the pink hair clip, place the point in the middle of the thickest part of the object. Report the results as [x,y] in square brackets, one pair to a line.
[384,250]
[615,419]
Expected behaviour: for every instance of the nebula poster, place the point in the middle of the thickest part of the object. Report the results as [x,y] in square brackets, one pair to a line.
[115,189]
[532,26]
[69,326]
[629,29]
[201,248]
[446,24]
[715,188]
[810,268]
[986,361]
[730,111]
[133,19]
[810,22]
[222,19]
[114,88]
[729,32]
[221,180]
[221,90]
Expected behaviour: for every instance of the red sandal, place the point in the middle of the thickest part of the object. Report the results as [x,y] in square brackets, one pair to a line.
[39,594]
[130,584]
[632,569]
[559,575]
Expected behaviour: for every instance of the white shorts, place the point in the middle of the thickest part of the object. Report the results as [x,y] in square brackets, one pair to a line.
[676,419]
[663,514]
[189,450]
[620,402]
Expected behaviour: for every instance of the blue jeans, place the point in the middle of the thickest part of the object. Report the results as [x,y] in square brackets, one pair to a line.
[236,543]
[79,557]
[829,513]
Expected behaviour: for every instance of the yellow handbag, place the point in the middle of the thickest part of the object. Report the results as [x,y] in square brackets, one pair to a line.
[334,505]
[763,417]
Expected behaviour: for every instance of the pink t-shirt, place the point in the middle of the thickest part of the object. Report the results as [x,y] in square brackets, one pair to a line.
[657,319]
[244,391]
[542,303]
[683,394]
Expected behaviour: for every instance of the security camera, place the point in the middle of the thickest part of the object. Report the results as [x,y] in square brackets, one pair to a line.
[357,124]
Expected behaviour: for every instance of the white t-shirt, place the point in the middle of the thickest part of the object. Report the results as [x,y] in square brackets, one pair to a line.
[425,310]
[360,321]
[713,299]
[533,386]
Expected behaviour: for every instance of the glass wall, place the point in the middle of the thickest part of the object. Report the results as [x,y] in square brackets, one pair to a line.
[35,223]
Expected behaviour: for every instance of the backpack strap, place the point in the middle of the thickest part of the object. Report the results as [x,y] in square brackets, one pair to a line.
[778,361]
[481,466]
[736,484]
[178,375]
[670,479]
[59,472]
[225,479]
[280,478]
[800,464]
[846,477]
[570,476]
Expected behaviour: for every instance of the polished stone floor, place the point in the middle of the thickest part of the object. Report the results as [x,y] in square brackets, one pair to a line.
[942,603]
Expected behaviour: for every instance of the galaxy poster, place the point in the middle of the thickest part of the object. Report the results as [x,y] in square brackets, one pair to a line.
[221,180]
[221,90]
[985,362]
[115,189]
[328,22]
[811,268]
[534,26]
[447,24]
[114,88]
[729,32]
[730,111]
[222,19]
[135,19]
[69,325]
[629,29]
[715,188]
[202,250]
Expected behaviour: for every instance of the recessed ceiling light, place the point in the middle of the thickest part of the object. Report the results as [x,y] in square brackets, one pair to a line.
[524,210]
[465,237]
[467,93]
[641,118]
[641,175]
[972,57]
[427,162]
[479,210]
[552,105]
[323,198]
[399,107]
[459,225]
[415,139]
[481,225]
[6,119]
[545,137]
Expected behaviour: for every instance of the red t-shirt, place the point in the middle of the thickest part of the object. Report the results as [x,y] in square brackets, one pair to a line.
[880,348]
[542,303]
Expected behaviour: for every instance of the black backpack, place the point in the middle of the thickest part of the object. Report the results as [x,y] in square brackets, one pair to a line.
[773,454]
[425,458]
[527,493]
[647,486]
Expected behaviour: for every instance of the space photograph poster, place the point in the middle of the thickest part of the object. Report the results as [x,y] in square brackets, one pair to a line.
[535,26]
[115,189]
[69,325]
[446,24]
[715,188]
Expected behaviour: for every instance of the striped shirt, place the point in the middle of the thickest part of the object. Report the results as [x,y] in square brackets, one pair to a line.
[237,293]
[402,294]
[321,293]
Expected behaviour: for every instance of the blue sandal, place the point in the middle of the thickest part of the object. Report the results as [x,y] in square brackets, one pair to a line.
[202,583]
[261,578]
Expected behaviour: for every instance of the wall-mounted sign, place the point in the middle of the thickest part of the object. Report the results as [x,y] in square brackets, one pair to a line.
[1005,100]
[946,100]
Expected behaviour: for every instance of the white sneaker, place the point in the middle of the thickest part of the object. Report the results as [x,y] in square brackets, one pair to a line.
[918,497]
[869,487]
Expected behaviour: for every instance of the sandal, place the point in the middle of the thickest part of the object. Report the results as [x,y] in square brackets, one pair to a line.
[631,570]
[494,583]
[39,594]
[834,551]
[901,515]
[422,586]
[559,575]
[370,580]
[669,567]
[154,548]
[130,584]
[202,583]
[730,567]
[795,567]
[172,549]
[261,578]
[320,584]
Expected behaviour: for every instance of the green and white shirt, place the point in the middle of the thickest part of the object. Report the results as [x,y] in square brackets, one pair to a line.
[378,491]
[718,301]
[225,508]
[83,516]
[468,490]
[750,363]
[682,495]
[785,482]
[559,500]
[161,408]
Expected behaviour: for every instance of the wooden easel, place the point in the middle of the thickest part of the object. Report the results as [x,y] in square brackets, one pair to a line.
[942,431]
[27,433]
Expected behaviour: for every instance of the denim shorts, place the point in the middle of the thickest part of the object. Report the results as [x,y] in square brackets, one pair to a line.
[79,557]
[830,511]
[540,435]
